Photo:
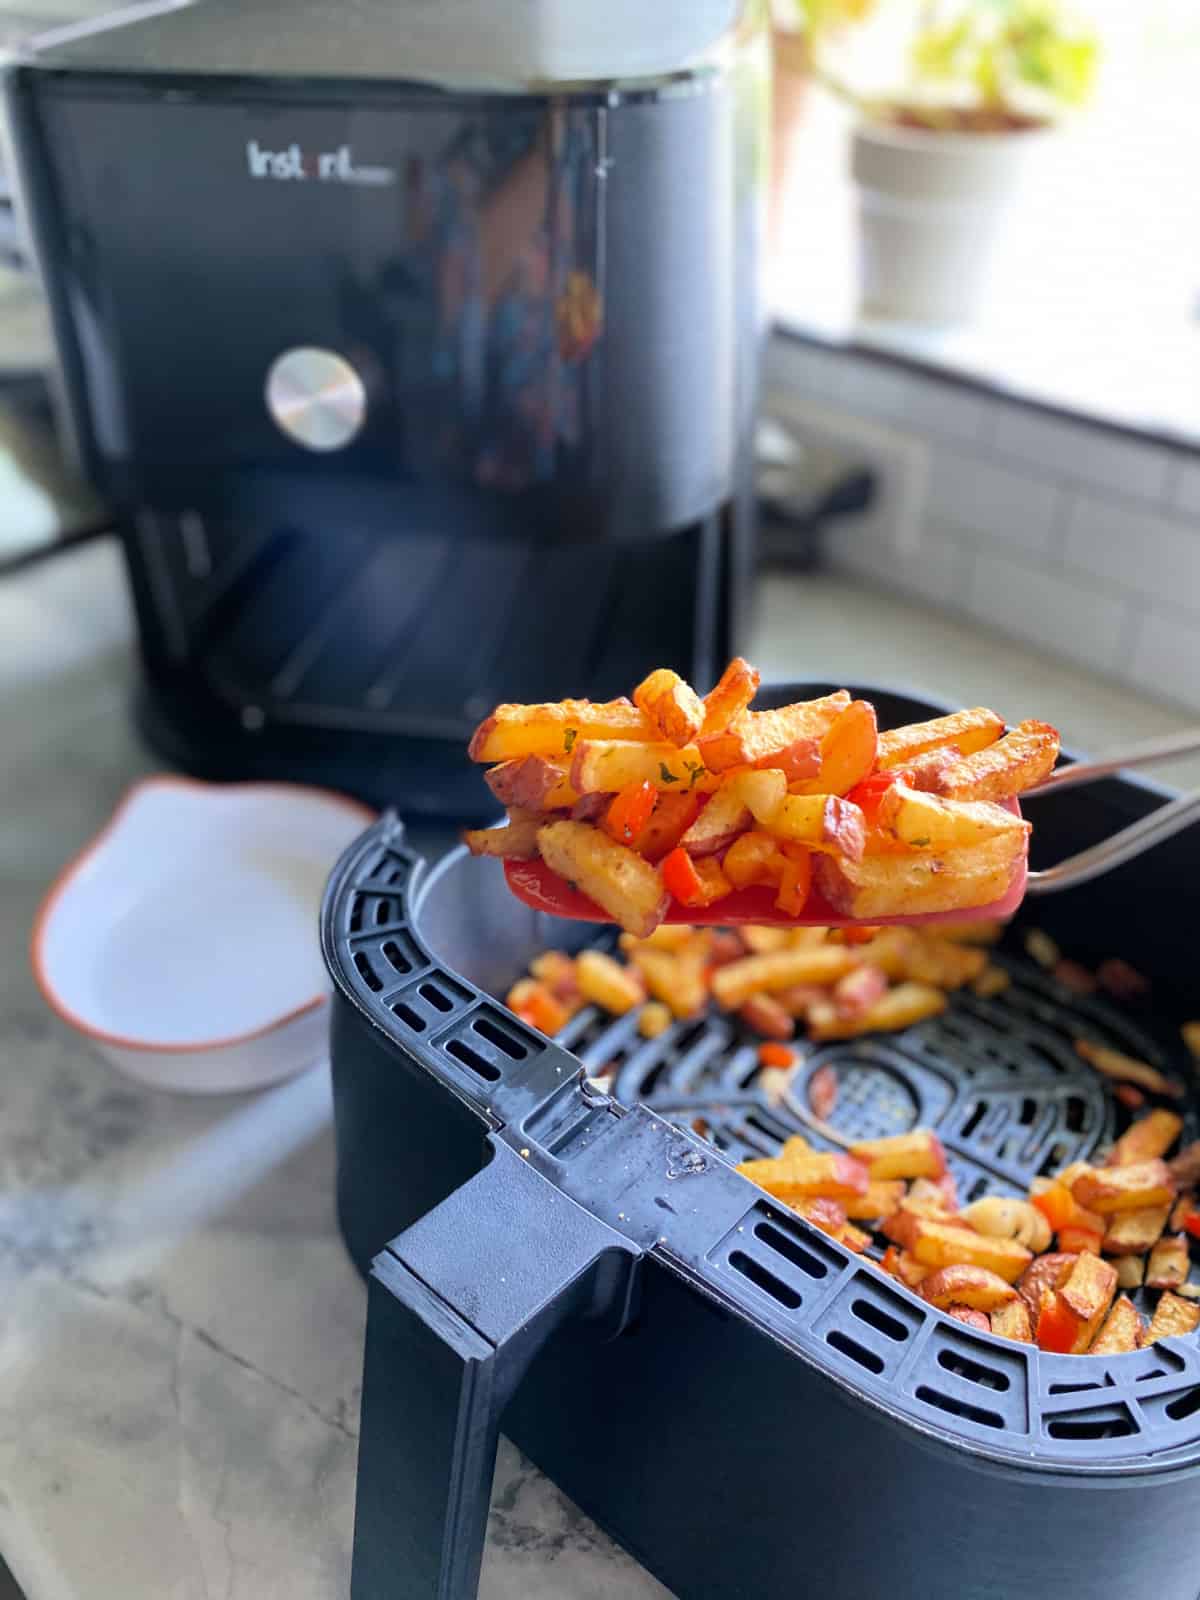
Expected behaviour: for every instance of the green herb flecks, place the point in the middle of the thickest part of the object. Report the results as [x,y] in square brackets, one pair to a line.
[569,739]
[666,774]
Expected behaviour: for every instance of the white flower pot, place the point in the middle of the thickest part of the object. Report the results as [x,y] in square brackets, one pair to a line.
[929,206]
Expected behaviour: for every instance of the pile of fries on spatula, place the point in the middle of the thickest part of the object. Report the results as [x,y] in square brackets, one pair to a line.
[674,807]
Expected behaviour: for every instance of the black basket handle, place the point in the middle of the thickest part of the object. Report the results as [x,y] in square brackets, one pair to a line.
[459,1306]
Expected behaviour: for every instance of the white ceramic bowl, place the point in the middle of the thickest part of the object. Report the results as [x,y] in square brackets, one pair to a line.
[183,941]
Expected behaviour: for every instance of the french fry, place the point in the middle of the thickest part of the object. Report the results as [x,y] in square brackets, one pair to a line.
[675,981]
[991,982]
[814,1175]
[821,822]
[789,738]
[1132,1233]
[967,1286]
[733,985]
[928,771]
[671,706]
[1133,1188]
[880,1199]
[905,1266]
[943,1244]
[979,1320]
[1190,1033]
[1168,1265]
[732,695]
[1018,761]
[905,885]
[765,1015]
[1012,1321]
[902,1155]
[969,730]
[606,983]
[534,783]
[1172,1318]
[1121,1330]
[1131,1272]
[945,965]
[847,752]
[552,730]
[720,822]
[654,1020]
[761,789]
[980,931]
[927,822]
[856,993]
[1127,1069]
[603,766]
[1070,1316]
[671,936]
[1146,1139]
[1185,1167]
[517,842]
[901,1007]
[615,877]
[756,858]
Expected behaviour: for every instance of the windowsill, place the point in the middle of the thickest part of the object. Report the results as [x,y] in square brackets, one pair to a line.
[1093,308]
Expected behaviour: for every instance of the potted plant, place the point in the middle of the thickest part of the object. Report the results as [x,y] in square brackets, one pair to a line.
[935,162]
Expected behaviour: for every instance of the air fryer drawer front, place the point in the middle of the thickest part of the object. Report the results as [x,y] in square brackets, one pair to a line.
[516,299]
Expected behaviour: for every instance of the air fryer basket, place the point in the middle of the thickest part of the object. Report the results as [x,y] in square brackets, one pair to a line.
[747,1406]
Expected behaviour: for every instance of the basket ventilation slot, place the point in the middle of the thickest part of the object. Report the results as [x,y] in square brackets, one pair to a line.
[851,1348]
[766,1281]
[973,1371]
[1103,1422]
[959,1408]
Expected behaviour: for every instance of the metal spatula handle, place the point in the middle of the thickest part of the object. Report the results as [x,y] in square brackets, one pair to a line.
[1099,858]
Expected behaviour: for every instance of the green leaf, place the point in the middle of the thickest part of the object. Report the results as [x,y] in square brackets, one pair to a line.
[569,739]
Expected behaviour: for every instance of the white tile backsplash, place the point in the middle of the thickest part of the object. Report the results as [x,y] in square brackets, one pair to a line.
[1075,537]
[1056,611]
[1077,450]
[975,493]
[1153,555]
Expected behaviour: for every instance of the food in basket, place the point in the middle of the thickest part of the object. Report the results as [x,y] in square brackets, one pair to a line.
[674,800]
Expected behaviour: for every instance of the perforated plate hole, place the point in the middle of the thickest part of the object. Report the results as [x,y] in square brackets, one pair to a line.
[395,957]
[1184,1405]
[439,1001]
[963,1367]
[471,1058]
[766,1281]
[878,1319]
[1075,1388]
[366,972]
[791,1249]
[487,1029]
[1110,1422]
[959,1408]
[855,1351]
[412,1019]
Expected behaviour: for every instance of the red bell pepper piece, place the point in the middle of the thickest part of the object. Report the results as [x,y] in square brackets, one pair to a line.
[629,812]
[868,794]
[681,878]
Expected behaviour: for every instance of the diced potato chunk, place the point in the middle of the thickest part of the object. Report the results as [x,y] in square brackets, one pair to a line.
[607,984]
[616,878]
[847,752]
[735,690]
[719,823]
[1172,1318]
[881,1197]
[820,1174]
[1012,1321]
[902,1155]
[534,783]
[1146,1139]
[941,1244]
[967,1285]
[789,738]
[671,706]
[1133,1188]
[1135,1232]
[1121,1330]
[821,822]
[1168,1264]
[517,842]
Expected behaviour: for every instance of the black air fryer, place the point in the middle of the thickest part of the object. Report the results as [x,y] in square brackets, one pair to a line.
[748,1407]
[415,346]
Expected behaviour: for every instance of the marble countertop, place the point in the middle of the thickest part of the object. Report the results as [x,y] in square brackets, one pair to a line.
[180,1328]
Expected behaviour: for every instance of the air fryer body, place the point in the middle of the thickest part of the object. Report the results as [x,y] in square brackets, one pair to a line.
[406,397]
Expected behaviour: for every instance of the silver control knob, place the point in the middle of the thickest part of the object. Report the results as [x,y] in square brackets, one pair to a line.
[316,397]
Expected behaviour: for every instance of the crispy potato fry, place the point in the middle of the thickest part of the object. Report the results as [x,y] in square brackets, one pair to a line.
[821,822]
[902,1155]
[1185,1167]
[733,985]
[1127,1069]
[881,1198]
[969,730]
[927,822]
[765,1015]
[945,965]
[904,885]
[981,931]
[1168,1265]
[1132,1233]
[732,695]
[675,981]
[671,936]
[945,1244]
[904,1265]
[517,842]
[762,789]
[1070,1318]
[1146,1139]
[789,737]
[671,706]
[1044,1273]
[900,1008]
[1191,1037]
[847,752]
[1012,1321]
[615,877]
[535,783]
[1133,1188]
[654,1020]
[856,993]
[991,982]
[756,858]
[1173,1317]
[1121,1330]
[604,766]
[606,983]
[1017,762]
[815,1174]
[967,1286]
[978,1320]
[723,818]
[552,730]
[928,771]
[1131,1272]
